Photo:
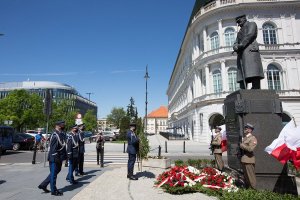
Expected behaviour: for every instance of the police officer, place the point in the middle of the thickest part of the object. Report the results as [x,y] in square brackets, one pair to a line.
[216,143]
[248,145]
[100,146]
[81,142]
[72,152]
[132,149]
[57,153]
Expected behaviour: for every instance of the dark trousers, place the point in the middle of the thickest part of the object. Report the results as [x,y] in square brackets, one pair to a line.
[55,168]
[100,152]
[72,165]
[79,168]
[255,83]
[131,161]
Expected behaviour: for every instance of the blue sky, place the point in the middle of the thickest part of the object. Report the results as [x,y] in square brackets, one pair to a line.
[96,46]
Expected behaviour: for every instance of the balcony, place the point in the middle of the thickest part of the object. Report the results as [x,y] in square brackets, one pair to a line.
[223,3]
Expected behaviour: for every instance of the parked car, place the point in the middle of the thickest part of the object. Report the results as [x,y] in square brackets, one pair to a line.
[22,141]
[87,136]
[6,138]
[109,135]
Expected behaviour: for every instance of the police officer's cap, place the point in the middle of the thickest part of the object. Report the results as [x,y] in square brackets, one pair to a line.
[74,127]
[248,125]
[240,17]
[219,128]
[60,122]
[132,124]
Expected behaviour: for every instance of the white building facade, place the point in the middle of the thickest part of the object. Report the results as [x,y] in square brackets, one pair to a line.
[205,69]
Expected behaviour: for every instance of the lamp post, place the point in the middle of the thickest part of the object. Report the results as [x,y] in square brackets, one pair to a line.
[89,93]
[146,102]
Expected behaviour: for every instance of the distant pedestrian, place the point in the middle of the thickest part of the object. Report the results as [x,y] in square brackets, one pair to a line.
[248,159]
[216,144]
[57,153]
[38,140]
[72,153]
[100,146]
[132,150]
[81,142]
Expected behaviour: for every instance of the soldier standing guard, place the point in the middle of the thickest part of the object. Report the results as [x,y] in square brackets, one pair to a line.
[216,143]
[81,142]
[248,159]
[56,154]
[132,149]
[72,152]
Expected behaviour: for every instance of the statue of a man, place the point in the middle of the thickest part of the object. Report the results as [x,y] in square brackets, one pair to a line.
[249,66]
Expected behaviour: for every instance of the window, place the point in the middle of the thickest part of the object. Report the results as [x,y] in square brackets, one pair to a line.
[217,81]
[229,38]
[200,43]
[232,79]
[269,34]
[273,77]
[214,42]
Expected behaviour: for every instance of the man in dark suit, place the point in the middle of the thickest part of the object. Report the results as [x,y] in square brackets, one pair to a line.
[132,150]
[72,152]
[249,66]
[56,154]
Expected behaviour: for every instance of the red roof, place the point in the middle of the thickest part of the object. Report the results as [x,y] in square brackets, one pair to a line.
[161,112]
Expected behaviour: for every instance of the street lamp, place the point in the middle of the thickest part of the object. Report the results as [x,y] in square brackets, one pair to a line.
[146,102]
[89,93]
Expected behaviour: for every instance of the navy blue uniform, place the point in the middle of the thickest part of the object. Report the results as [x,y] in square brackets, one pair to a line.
[81,143]
[72,152]
[56,154]
[132,149]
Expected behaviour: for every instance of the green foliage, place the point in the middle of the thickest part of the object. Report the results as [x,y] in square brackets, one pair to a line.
[199,163]
[179,162]
[23,108]
[90,120]
[116,115]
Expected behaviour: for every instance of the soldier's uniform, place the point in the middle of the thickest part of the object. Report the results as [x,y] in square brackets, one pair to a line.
[56,154]
[72,152]
[81,142]
[248,159]
[218,151]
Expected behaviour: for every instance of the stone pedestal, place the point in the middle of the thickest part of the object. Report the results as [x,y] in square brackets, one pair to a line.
[157,163]
[263,109]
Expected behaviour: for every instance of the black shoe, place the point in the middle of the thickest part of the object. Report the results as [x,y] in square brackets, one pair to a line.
[133,178]
[74,182]
[82,174]
[76,174]
[44,188]
[57,193]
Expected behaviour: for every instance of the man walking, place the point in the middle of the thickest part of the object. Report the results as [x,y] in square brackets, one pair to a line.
[56,154]
[72,152]
[216,143]
[100,147]
[248,159]
[132,149]
[81,142]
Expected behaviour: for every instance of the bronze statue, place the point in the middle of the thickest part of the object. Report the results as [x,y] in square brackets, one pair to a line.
[249,66]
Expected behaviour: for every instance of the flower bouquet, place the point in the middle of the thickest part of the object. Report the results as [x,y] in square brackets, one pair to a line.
[189,178]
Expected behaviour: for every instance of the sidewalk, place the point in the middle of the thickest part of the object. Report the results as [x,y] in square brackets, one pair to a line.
[114,185]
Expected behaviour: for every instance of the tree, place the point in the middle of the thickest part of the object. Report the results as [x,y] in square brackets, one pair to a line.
[132,111]
[23,108]
[90,120]
[116,115]
[62,110]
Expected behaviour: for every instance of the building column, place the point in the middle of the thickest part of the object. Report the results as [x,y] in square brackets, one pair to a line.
[207,79]
[224,76]
[294,28]
[281,32]
[205,47]
[221,34]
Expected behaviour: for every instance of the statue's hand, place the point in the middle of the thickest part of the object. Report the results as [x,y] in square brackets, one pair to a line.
[235,47]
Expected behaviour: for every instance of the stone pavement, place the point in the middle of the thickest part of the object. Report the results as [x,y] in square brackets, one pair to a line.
[113,185]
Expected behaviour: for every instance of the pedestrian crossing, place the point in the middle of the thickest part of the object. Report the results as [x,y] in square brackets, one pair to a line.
[109,159]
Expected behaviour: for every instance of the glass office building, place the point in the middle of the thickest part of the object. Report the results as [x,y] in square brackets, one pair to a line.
[59,92]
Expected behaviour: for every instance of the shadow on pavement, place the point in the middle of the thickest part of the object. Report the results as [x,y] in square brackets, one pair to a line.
[92,171]
[2,181]
[145,174]
[73,186]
